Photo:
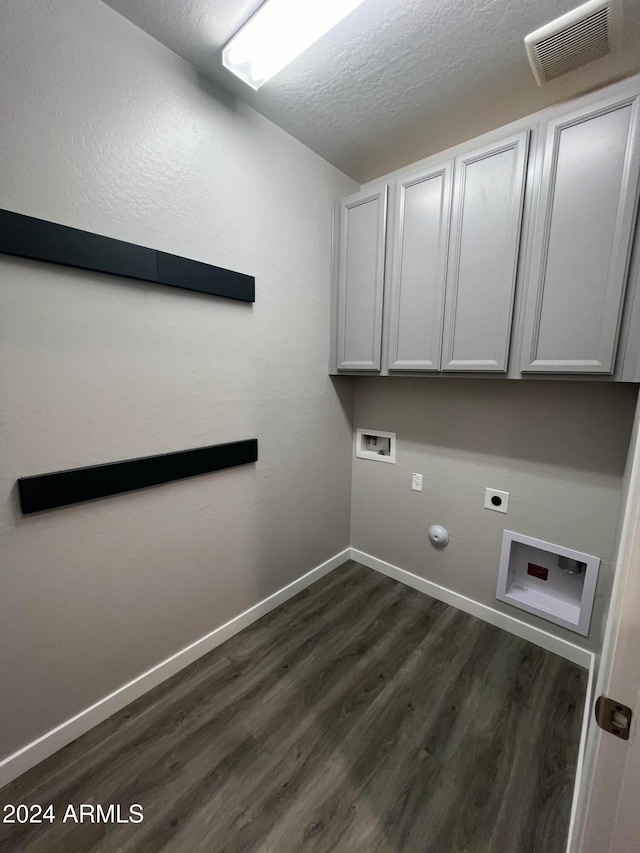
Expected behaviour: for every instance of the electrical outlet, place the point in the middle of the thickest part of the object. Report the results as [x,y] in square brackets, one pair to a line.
[416,482]
[496,500]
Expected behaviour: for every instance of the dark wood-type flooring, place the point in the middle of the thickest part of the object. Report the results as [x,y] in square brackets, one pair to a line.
[361,716]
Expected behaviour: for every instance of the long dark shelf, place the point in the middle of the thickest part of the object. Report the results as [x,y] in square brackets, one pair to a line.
[40,240]
[47,491]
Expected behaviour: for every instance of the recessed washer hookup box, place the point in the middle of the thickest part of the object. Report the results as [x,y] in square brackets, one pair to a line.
[551,581]
[376,444]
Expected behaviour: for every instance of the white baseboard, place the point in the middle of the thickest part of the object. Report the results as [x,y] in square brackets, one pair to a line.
[33,753]
[539,636]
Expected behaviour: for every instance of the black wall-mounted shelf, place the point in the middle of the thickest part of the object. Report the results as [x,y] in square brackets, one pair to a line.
[40,240]
[48,491]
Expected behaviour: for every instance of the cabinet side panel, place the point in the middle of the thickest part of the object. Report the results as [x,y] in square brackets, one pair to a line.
[360,284]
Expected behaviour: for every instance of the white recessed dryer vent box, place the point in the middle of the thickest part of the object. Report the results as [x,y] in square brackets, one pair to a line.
[550,581]
[376,445]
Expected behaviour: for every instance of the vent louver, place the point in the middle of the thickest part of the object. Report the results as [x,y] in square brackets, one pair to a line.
[589,32]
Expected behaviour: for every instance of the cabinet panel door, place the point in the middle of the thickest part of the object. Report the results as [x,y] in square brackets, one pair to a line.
[422,205]
[360,280]
[582,241]
[483,255]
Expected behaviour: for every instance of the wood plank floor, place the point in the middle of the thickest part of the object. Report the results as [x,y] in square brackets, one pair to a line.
[360,716]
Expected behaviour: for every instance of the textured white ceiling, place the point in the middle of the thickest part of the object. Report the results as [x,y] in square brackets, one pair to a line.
[394,81]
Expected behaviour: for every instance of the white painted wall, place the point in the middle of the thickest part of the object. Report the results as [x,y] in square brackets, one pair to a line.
[559,448]
[105,129]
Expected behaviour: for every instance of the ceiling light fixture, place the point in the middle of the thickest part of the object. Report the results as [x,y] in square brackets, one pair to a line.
[278,32]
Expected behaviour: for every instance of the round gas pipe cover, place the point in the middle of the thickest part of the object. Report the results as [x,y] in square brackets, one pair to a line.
[438,536]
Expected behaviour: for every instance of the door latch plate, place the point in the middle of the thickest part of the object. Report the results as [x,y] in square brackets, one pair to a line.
[613,717]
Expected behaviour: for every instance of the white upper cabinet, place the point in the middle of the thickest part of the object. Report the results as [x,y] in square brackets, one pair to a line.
[464,267]
[483,256]
[582,239]
[454,256]
[421,216]
[360,278]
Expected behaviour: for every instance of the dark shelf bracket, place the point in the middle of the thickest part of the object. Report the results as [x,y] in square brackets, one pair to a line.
[37,239]
[48,491]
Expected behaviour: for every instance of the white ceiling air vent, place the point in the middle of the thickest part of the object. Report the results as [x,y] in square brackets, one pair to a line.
[582,35]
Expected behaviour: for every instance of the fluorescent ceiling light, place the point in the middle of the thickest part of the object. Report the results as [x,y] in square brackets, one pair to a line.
[278,32]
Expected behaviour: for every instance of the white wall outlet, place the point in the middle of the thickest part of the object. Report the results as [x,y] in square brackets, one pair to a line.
[496,500]
[416,482]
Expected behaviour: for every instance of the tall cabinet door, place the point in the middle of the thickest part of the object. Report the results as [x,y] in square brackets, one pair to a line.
[422,205]
[582,240]
[483,255]
[360,280]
